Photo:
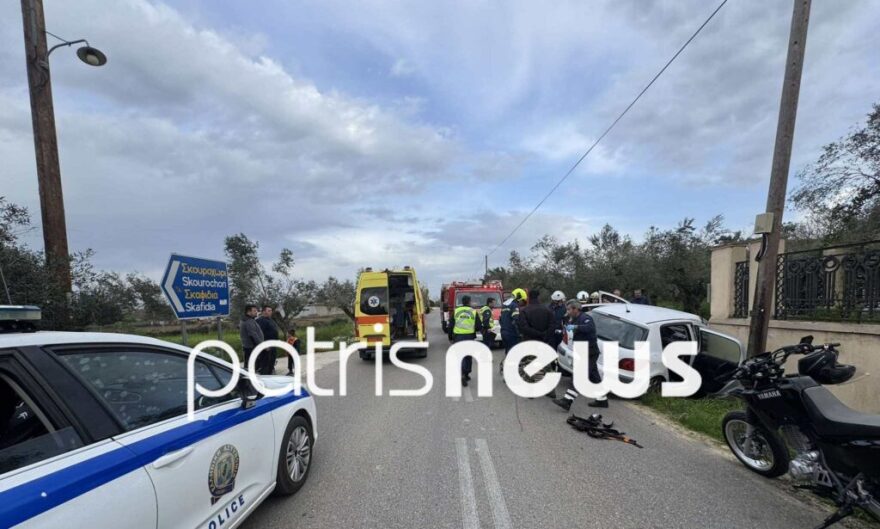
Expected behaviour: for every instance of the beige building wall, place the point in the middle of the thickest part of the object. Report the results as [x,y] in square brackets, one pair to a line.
[860,342]
[860,346]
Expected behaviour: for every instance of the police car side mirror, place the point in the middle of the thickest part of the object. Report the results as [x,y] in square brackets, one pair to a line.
[249,394]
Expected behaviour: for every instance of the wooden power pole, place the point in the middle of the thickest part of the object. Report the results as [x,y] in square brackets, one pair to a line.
[779,176]
[46,149]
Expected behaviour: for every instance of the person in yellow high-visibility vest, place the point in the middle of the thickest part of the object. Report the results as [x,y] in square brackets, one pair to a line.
[486,321]
[465,326]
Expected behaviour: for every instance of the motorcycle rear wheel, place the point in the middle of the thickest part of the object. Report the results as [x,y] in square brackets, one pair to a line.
[768,456]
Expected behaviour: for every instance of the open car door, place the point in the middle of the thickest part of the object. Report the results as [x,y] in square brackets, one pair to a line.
[718,357]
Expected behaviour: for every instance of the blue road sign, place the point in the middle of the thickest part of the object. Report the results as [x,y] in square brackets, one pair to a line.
[196,288]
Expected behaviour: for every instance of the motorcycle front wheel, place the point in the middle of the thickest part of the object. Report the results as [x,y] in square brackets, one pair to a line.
[760,450]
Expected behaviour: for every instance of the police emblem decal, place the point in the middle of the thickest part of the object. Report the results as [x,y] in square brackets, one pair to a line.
[221,475]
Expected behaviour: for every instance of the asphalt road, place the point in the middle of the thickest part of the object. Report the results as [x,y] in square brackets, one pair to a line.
[508,462]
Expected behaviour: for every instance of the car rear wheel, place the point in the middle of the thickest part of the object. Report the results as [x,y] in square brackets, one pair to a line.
[295,457]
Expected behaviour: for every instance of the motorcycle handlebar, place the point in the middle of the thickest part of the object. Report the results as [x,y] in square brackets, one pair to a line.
[778,357]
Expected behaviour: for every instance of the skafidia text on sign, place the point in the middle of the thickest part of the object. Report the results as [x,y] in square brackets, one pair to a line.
[196,287]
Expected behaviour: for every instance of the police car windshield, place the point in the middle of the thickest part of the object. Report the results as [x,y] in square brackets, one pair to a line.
[479,298]
[614,330]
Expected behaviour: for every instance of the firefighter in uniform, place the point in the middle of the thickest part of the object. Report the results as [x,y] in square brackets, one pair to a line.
[486,322]
[583,297]
[509,315]
[557,307]
[465,327]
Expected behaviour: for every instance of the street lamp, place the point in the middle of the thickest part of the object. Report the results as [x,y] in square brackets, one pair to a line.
[91,56]
[87,54]
[46,146]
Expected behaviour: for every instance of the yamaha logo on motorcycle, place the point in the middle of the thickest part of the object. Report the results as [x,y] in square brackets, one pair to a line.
[836,449]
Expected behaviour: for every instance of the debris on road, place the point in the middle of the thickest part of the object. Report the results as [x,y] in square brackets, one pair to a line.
[594,427]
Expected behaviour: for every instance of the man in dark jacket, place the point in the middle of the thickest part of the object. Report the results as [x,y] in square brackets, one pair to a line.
[266,363]
[583,329]
[640,298]
[294,342]
[486,322]
[536,321]
[249,332]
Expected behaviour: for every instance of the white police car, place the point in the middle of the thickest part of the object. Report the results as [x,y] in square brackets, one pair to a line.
[94,433]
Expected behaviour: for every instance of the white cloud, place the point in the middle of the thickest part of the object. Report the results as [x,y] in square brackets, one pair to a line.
[402,68]
[565,143]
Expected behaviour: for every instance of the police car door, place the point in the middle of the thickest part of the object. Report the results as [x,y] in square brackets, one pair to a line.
[50,476]
[207,473]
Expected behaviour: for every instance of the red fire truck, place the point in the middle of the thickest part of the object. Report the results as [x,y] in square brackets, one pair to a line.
[451,294]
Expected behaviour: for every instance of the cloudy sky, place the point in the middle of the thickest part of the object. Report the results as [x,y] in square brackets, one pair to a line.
[382,133]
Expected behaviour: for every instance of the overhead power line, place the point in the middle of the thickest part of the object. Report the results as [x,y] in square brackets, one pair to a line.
[607,130]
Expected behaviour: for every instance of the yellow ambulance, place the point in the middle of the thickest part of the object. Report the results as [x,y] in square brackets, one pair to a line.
[389,307]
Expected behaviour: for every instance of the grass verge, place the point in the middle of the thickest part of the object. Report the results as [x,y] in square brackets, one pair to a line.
[700,415]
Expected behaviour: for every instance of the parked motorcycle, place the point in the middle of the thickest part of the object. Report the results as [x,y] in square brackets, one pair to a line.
[835,449]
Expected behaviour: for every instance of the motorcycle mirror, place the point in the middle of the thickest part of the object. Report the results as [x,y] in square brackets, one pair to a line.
[807,339]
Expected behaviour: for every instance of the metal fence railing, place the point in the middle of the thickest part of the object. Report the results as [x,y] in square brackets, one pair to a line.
[741,290]
[839,283]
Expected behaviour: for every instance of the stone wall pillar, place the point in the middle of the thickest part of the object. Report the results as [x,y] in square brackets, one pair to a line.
[721,289]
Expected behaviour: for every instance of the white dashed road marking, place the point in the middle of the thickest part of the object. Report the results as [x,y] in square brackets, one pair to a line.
[490,478]
[469,518]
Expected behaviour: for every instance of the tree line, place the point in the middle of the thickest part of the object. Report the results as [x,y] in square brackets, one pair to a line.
[671,266]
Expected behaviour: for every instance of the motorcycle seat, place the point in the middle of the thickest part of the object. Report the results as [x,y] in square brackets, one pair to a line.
[833,418]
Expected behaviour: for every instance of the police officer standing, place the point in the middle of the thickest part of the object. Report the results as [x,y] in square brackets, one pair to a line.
[583,329]
[507,321]
[465,327]
[486,322]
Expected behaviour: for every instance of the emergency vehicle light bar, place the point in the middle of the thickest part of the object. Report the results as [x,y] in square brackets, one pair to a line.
[19,317]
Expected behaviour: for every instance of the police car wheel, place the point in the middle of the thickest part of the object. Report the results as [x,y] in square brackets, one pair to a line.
[295,459]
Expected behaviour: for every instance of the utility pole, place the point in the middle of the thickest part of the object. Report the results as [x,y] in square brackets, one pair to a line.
[46,149]
[487,268]
[779,176]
